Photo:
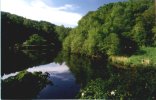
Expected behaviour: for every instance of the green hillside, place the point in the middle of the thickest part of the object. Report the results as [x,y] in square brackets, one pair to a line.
[114,29]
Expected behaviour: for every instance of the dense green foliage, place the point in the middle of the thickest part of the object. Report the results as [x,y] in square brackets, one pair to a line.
[62,32]
[16,30]
[24,85]
[35,39]
[115,28]
[126,84]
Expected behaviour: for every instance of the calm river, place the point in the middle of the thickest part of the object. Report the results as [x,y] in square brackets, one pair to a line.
[70,73]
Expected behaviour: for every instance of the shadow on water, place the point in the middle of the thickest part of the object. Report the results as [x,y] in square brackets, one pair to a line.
[14,61]
[83,68]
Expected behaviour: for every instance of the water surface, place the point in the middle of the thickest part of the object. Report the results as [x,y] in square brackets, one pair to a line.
[70,73]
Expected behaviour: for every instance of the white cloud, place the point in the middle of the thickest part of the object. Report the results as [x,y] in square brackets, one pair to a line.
[38,10]
[65,7]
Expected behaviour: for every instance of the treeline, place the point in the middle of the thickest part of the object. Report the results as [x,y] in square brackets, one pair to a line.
[115,28]
[17,30]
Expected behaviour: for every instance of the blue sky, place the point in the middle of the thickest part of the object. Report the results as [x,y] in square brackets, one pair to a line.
[59,12]
[81,6]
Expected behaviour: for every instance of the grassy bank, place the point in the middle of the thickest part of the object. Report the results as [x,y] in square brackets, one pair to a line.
[145,57]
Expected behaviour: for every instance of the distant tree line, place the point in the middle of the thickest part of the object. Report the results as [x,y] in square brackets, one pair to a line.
[17,30]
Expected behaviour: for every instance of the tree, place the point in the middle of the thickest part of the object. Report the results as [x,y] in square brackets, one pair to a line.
[62,32]
[154,37]
[139,33]
[35,39]
[114,28]
[112,44]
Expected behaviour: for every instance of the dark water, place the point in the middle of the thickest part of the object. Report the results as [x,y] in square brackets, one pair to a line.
[70,73]
[13,61]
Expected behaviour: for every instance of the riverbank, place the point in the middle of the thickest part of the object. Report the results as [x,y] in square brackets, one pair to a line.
[145,57]
[26,85]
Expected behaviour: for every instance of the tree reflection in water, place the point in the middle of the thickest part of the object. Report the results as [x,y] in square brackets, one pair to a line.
[96,77]
[14,61]
[100,80]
